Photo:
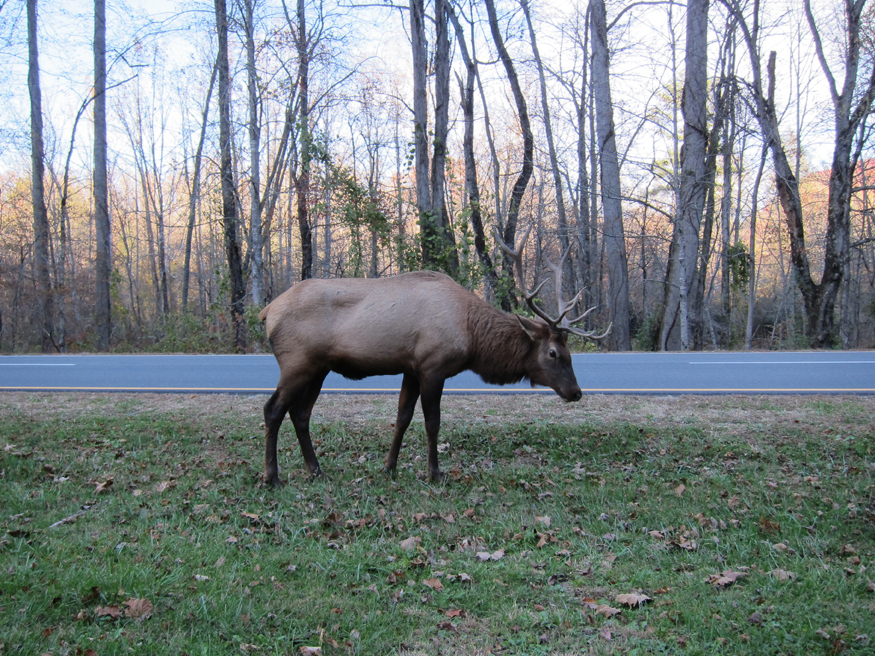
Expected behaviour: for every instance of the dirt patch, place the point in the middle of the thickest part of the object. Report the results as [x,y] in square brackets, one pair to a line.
[735,415]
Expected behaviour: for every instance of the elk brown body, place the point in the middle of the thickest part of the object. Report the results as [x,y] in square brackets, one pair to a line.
[422,325]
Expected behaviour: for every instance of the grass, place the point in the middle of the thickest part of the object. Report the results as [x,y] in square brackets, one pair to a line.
[549,512]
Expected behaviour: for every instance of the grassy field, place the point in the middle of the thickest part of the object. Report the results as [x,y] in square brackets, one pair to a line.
[639,525]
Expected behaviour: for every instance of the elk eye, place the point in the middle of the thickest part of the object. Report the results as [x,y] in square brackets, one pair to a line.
[553,353]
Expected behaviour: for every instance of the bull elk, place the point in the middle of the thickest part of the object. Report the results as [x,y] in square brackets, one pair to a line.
[422,325]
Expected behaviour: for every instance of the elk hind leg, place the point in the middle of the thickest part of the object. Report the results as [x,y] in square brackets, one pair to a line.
[406,406]
[274,411]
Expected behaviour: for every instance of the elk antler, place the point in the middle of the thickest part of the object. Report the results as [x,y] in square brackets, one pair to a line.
[561,322]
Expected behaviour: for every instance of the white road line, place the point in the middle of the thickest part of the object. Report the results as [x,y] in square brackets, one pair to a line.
[35,364]
[787,362]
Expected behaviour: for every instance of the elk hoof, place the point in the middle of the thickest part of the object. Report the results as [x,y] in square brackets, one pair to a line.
[274,482]
[437,476]
[390,472]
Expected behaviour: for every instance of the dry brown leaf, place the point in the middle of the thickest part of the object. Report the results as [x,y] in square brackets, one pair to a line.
[100,487]
[113,612]
[545,520]
[434,584]
[310,651]
[725,579]
[606,634]
[139,609]
[769,526]
[632,599]
[680,489]
[410,543]
[454,612]
[782,574]
[163,485]
[659,535]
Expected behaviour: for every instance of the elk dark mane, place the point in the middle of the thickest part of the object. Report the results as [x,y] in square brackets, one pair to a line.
[500,347]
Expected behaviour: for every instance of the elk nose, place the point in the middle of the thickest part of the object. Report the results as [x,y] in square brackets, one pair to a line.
[576,396]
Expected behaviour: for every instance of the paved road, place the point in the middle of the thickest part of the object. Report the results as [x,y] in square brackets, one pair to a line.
[829,372]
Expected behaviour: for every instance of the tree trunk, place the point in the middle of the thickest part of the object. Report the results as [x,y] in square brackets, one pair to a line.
[614,239]
[229,206]
[195,192]
[427,226]
[256,270]
[471,186]
[40,214]
[445,248]
[679,318]
[103,259]
[302,189]
[562,220]
[522,181]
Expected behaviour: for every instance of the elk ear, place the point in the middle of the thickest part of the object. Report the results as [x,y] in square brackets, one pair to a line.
[531,327]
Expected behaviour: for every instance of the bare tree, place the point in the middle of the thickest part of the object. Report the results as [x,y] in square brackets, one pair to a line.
[525,174]
[614,239]
[229,201]
[103,259]
[678,310]
[40,214]
[852,105]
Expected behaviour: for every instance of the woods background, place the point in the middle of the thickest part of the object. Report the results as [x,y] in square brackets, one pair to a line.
[706,166]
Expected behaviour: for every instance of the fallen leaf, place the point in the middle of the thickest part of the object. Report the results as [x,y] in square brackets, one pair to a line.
[113,612]
[250,515]
[138,609]
[680,489]
[201,577]
[163,485]
[410,543]
[782,574]
[454,612]
[632,599]
[495,555]
[310,651]
[434,584]
[446,625]
[247,647]
[659,535]
[448,518]
[606,634]
[545,520]
[100,487]
[768,526]
[780,546]
[725,579]
[870,585]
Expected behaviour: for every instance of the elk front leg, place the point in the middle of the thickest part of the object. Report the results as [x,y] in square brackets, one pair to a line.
[406,406]
[300,415]
[431,409]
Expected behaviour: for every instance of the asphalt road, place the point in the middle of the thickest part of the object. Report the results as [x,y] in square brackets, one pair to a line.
[821,372]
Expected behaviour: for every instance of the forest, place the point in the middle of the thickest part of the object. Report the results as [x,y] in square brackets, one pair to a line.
[695,172]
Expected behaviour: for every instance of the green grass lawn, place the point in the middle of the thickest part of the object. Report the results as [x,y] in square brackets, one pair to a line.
[130,526]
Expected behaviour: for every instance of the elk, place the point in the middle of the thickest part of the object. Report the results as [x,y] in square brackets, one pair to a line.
[422,325]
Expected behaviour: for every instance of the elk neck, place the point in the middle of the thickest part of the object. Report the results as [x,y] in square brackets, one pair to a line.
[500,349]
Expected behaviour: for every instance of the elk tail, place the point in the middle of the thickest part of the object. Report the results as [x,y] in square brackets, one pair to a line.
[263,314]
